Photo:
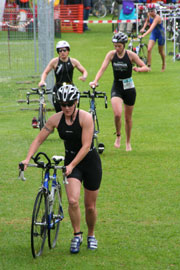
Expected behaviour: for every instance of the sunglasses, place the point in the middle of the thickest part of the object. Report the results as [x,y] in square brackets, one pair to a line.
[62,50]
[68,104]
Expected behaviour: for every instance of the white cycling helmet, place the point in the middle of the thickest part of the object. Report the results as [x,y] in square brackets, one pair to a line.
[62,44]
[67,92]
[120,38]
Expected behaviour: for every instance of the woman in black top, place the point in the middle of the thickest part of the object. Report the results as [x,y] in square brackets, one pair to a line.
[123,89]
[63,66]
[82,161]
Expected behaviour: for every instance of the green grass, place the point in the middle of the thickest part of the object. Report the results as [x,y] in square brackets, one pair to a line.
[138,225]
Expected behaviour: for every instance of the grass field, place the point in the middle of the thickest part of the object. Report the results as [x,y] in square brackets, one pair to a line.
[138,226]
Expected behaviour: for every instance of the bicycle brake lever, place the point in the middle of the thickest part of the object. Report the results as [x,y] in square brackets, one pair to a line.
[21,172]
[65,181]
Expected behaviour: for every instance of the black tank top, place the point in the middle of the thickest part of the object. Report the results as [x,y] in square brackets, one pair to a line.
[71,134]
[122,67]
[64,72]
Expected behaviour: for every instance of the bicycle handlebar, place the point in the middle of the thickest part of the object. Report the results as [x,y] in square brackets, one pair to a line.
[95,94]
[39,91]
[43,165]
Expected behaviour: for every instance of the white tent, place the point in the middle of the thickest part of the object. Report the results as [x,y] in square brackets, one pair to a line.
[2,5]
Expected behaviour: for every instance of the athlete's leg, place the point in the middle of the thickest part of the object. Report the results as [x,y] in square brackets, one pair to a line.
[151,44]
[90,209]
[73,194]
[161,51]
[117,103]
[128,110]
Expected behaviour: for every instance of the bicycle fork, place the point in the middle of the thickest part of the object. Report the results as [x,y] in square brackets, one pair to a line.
[52,217]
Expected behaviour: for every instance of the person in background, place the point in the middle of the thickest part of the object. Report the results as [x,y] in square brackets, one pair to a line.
[23,3]
[157,33]
[123,90]
[24,10]
[128,12]
[63,67]
[83,164]
[87,7]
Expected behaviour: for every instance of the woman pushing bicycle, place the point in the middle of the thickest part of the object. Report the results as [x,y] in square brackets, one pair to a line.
[63,66]
[157,33]
[82,161]
[123,89]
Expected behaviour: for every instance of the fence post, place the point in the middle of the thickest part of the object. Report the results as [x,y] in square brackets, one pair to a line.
[46,36]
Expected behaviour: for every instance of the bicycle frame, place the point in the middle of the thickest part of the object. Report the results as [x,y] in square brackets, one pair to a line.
[140,49]
[41,92]
[48,210]
[45,186]
[92,109]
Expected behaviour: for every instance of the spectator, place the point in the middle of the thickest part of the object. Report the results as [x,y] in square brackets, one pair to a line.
[23,13]
[23,3]
[87,7]
[128,12]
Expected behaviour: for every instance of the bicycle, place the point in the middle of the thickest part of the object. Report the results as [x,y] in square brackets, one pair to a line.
[92,96]
[47,211]
[140,49]
[142,15]
[115,10]
[42,91]
[99,9]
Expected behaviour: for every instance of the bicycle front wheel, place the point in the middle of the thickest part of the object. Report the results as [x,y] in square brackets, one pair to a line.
[55,217]
[99,10]
[39,224]
[143,53]
[42,116]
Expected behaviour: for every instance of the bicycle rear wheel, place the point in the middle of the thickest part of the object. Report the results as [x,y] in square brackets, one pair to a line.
[143,53]
[99,146]
[99,10]
[55,217]
[39,224]
[42,116]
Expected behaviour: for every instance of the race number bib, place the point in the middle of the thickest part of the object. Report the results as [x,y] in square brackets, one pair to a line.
[128,83]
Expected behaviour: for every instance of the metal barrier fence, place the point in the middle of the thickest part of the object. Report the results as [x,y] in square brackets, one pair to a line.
[26,40]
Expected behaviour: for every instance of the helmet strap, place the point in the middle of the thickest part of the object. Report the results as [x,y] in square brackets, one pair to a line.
[73,113]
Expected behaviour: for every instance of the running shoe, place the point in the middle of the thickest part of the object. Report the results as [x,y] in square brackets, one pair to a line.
[34,122]
[75,244]
[92,243]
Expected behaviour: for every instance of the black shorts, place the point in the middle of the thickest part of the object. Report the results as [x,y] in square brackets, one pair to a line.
[88,171]
[128,96]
